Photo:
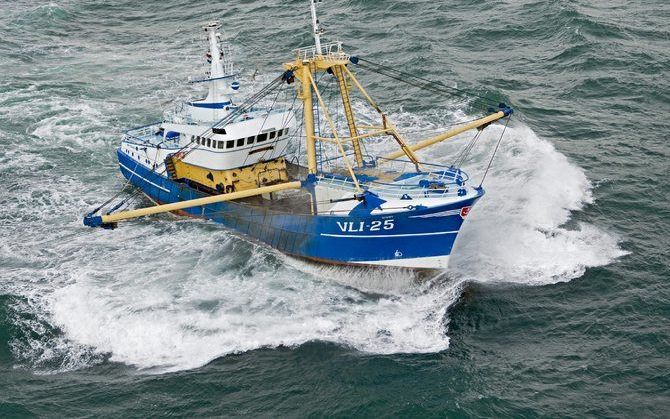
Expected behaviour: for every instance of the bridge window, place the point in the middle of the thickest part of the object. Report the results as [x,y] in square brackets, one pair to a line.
[230,144]
[240,142]
[250,140]
[220,145]
[209,142]
[272,134]
[262,137]
[192,139]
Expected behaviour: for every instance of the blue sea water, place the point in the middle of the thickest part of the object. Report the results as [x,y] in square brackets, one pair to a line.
[557,300]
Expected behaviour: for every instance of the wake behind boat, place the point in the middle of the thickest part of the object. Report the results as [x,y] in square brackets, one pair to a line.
[303,185]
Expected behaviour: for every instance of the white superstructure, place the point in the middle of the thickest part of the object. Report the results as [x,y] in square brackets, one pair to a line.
[196,131]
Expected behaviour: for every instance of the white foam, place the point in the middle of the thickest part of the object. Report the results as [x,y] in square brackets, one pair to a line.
[517,232]
[164,320]
[167,296]
[72,125]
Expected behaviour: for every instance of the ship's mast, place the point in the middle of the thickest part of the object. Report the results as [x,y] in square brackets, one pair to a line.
[316,27]
[216,66]
[312,60]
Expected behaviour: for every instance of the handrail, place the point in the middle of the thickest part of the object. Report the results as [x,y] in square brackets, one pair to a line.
[399,193]
[370,157]
[139,132]
[422,163]
[144,126]
[330,50]
[451,183]
[458,178]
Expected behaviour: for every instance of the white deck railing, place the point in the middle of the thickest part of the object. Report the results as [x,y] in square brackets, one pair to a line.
[332,50]
[398,190]
[141,133]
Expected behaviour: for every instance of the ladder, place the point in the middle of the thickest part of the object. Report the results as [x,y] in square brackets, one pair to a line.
[170,168]
[349,113]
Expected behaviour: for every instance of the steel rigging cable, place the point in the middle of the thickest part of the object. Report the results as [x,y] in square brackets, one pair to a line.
[420,82]
[495,151]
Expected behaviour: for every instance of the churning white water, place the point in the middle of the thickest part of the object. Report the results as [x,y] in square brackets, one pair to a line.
[175,294]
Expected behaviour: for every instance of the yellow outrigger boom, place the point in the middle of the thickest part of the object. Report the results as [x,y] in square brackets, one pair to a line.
[109,220]
[451,133]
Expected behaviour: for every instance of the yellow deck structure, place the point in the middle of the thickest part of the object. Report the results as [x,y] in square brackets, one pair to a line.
[232,180]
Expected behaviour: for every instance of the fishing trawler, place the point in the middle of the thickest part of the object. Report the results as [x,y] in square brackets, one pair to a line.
[305,186]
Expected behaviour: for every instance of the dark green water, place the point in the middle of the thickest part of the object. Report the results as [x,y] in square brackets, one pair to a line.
[557,302]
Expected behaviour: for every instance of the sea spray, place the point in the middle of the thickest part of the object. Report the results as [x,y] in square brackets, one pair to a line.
[220,295]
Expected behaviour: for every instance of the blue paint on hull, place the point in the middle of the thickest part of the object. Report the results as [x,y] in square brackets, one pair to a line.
[319,237]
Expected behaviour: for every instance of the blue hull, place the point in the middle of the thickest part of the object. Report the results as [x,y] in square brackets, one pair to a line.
[399,239]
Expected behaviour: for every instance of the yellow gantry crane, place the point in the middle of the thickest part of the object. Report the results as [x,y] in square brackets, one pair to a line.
[331,58]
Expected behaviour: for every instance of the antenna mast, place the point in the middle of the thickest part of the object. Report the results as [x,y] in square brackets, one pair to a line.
[316,27]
